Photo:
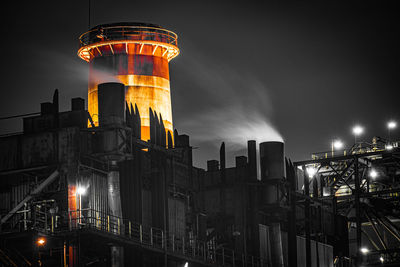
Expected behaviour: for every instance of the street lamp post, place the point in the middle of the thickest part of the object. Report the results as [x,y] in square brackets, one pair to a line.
[80,191]
[357,130]
[391,125]
[336,144]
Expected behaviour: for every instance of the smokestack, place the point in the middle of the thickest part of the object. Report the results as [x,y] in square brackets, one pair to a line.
[272,163]
[111,103]
[252,155]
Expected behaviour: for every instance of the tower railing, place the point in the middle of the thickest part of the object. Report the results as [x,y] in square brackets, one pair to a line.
[136,33]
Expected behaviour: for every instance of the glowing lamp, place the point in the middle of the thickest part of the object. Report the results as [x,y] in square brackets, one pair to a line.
[41,241]
[81,190]
[364,250]
[337,144]
[311,171]
[391,125]
[373,174]
[358,130]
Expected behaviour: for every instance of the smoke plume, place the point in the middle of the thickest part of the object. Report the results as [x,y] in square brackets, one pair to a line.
[215,102]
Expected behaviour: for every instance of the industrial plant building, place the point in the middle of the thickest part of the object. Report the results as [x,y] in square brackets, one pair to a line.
[115,185]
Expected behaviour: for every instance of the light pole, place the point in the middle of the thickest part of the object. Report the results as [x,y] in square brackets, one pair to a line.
[391,125]
[357,130]
[80,191]
[336,144]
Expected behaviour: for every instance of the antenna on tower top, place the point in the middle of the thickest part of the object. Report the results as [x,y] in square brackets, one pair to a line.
[89,15]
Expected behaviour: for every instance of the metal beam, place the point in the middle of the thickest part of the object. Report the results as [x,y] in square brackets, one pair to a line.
[37,190]
[376,231]
[357,206]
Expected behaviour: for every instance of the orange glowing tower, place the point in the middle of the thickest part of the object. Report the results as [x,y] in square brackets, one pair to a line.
[137,55]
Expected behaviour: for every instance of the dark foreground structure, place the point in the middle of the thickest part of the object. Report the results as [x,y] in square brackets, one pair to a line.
[79,192]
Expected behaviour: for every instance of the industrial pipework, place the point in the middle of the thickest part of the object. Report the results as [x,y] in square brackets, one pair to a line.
[137,55]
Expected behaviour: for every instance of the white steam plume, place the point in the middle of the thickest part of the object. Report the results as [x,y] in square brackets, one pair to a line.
[219,103]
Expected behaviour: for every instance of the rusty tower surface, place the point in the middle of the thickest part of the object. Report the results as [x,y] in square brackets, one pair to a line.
[137,55]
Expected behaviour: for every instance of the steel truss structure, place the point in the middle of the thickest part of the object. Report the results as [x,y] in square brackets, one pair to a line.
[361,184]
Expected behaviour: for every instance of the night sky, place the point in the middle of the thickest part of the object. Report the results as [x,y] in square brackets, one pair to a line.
[304,72]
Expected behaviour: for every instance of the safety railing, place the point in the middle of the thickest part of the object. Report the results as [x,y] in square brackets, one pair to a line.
[156,238]
[136,33]
[147,236]
[359,148]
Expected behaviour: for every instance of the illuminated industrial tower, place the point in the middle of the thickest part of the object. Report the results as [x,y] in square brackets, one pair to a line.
[137,55]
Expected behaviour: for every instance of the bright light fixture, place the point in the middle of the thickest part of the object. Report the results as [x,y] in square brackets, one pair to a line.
[364,250]
[311,171]
[41,241]
[186,264]
[381,259]
[358,130]
[391,125]
[373,173]
[389,147]
[81,190]
[337,144]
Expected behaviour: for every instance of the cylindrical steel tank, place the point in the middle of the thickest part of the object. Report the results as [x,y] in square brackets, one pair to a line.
[136,54]
[272,165]
[111,103]
[272,160]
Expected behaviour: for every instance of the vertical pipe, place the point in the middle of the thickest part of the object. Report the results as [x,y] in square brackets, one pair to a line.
[141,233]
[119,227]
[292,236]
[162,239]
[65,254]
[307,216]
[276,245]
[222,175]
[25,224]
[114,201]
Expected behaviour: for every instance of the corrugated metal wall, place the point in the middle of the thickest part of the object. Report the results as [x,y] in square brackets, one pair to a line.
[97,192]
[177,217]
